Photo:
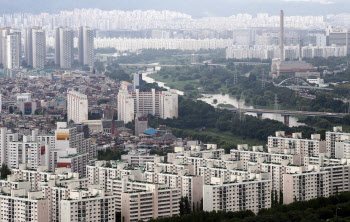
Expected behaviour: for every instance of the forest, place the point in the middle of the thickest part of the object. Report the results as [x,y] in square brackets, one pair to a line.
[247,85]
[197,117]
[162,56]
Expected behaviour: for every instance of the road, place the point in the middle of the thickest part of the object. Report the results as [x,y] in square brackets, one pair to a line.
[289,113]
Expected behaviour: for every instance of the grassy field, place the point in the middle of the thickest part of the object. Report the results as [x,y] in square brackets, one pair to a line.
[180,85]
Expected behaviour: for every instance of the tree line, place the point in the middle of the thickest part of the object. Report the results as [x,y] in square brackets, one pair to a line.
[332,209]
[196,115]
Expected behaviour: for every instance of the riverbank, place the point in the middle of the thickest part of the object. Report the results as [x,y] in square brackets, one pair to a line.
[216,99]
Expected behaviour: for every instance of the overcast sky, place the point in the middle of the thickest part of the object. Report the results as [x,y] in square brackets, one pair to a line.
[196,8]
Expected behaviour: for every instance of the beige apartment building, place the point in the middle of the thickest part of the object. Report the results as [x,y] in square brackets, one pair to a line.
[305,186]
[240,195]
[22,209]
[332,138]
[296,145]
[140,200]
[89,209]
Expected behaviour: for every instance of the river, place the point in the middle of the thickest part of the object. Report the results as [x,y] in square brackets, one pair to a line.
[225,99]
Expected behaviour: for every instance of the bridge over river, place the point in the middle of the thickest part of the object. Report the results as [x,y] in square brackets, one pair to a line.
[287,113]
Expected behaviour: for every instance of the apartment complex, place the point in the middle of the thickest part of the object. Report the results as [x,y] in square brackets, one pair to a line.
[291,52]
[66,148]
[248,178]
[161,104]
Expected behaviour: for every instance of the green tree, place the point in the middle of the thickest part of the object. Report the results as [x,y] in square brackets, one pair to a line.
[85,68]
[108,164]
[4,171]
[188,87]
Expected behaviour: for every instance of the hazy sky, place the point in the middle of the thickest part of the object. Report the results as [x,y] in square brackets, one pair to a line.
[196,8]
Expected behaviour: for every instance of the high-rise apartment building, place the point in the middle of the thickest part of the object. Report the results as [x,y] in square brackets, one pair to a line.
[36,47]
[99,208]
[77,109]
[305,186]
[5,139]
[12,51]
[25,207]
[339,37]
[161,104]
[296,145]
[10,48]
[137,81]
[86,46]
[241,195]
[64,45]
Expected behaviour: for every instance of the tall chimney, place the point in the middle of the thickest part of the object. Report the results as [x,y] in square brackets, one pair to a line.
[282,35]
[300,49]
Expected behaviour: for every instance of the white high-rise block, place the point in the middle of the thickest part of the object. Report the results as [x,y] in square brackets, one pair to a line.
[13,51]
[36,47]
[161,104]
[64,47]
[77,108]
[86,46]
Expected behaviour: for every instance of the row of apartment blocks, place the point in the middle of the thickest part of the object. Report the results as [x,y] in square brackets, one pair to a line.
[223,182]
[35,47]
[336,145]
[290,52]
[244,179]
[66,148]
[64,196]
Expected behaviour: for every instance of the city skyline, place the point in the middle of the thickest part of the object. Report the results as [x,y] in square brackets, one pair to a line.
[195,8]
[162,111]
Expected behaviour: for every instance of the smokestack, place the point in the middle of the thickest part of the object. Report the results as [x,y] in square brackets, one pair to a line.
[282,35]
[300,49]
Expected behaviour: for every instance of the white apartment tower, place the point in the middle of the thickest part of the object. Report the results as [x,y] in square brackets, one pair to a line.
[77,106]
[161,104]
[125,107]
[36,47]
[5,139]
[64,47]
[86,46]
[3,144]
[13,51]
[10,48]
